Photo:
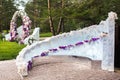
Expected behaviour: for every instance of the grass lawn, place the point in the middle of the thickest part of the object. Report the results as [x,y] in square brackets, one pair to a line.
[48,34]
[9,50]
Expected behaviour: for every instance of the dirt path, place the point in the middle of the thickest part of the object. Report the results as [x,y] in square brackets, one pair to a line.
[8,70]
[58,68]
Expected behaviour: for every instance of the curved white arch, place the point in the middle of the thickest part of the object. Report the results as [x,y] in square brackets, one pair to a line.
[94,42]
[25,26]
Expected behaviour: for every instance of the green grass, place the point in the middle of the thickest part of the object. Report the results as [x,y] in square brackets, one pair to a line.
[48,34]
[9,50]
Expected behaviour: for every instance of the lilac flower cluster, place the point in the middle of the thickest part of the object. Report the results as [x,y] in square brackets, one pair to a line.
[95,39]
[70,46]
[53,50]
[79,43]
[44,53]
[86,41]
[63,47]
[29,67]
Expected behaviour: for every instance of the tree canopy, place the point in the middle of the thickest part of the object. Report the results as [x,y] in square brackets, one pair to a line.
[7,9]
[71,14]
[77,14]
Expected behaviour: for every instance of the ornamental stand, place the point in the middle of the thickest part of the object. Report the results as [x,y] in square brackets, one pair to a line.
[108,43]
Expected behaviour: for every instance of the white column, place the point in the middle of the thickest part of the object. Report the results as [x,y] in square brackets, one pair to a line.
[109,45]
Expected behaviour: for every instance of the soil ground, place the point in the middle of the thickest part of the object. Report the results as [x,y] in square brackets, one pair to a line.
[59,68]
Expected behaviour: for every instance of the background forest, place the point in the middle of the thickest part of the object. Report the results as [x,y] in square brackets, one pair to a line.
[60,15]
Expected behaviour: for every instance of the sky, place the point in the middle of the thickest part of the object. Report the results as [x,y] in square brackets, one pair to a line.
[18,2]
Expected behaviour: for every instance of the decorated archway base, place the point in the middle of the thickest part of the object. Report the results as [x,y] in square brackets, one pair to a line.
[19,31]
[22,33]
[95,42]
[26,26]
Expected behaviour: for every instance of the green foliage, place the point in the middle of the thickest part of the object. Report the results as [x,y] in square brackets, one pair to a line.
[76,13]
[9,50]
[7,9]
[1,36]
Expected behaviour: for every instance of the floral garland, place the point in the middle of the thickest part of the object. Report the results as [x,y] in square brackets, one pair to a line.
[67,47]
[25,28]
[13,30]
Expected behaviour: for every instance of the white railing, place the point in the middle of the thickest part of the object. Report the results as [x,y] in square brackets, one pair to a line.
[33,37]
[95,42]
[19,31]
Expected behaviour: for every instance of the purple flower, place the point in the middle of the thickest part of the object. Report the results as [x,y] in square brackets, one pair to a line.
[86,41]
[24,29]
[44,53]
[63,47]
[79,43]
[21,42]
[29,67]
[11,34]
[54,50]
[69,46]
[16,34]
[95,39]
[12,39]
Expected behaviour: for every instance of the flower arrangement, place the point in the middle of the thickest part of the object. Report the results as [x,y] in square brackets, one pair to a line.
[53,50]
[29,67]
[44,53]
[25,27]
[79,43]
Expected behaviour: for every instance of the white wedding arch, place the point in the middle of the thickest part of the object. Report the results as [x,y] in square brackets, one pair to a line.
[26,26]
[22,33]
[95,42]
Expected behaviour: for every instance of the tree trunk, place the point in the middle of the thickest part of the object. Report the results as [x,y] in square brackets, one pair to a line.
[61,21]
[35,14]
[60,25]
[50,19]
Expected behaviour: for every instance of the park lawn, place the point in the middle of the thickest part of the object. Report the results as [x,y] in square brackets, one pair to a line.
[9,50]
[48,34]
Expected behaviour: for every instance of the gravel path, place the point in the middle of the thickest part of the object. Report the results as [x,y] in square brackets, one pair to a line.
[59,68]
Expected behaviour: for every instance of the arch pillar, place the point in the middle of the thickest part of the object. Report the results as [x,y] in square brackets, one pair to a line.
[109,43]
